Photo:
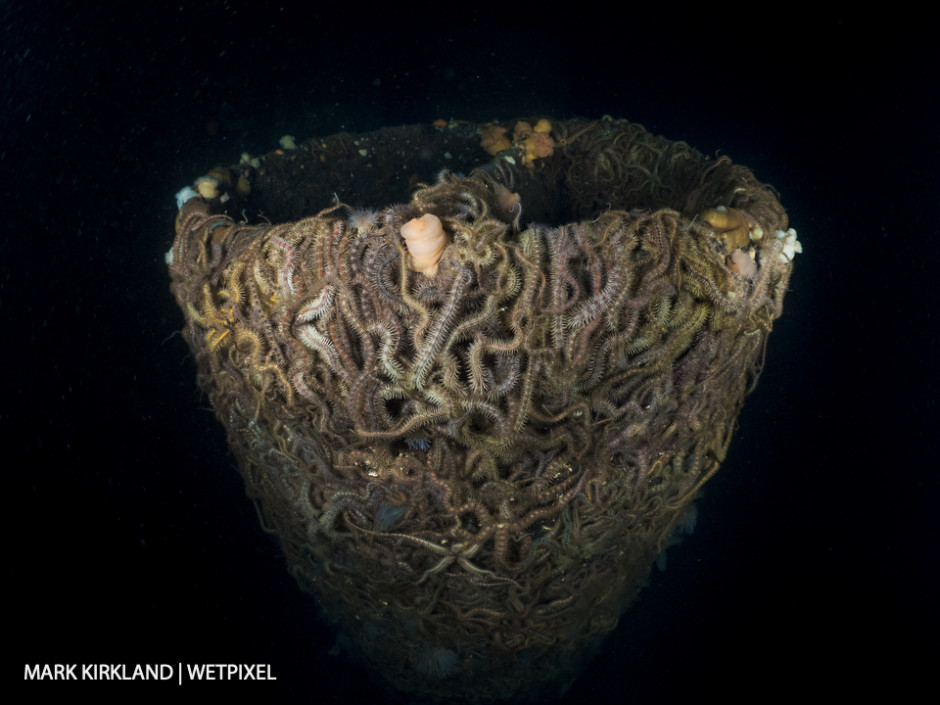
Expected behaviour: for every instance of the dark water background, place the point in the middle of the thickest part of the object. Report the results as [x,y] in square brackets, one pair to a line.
[128,537]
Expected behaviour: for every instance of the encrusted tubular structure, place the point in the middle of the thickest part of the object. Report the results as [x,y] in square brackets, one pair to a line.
[473,466]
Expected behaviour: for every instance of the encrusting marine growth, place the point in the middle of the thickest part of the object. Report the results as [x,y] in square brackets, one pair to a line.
[475,415]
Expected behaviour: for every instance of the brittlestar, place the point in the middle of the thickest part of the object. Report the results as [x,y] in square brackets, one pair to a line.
[459,552]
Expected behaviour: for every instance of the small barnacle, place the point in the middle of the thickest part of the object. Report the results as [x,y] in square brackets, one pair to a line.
[362,220]
[208,187]
[791,246]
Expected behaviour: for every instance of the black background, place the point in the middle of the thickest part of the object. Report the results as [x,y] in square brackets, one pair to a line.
[128,536]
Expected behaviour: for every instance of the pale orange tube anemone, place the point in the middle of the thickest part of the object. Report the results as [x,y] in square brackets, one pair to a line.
[425,240]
